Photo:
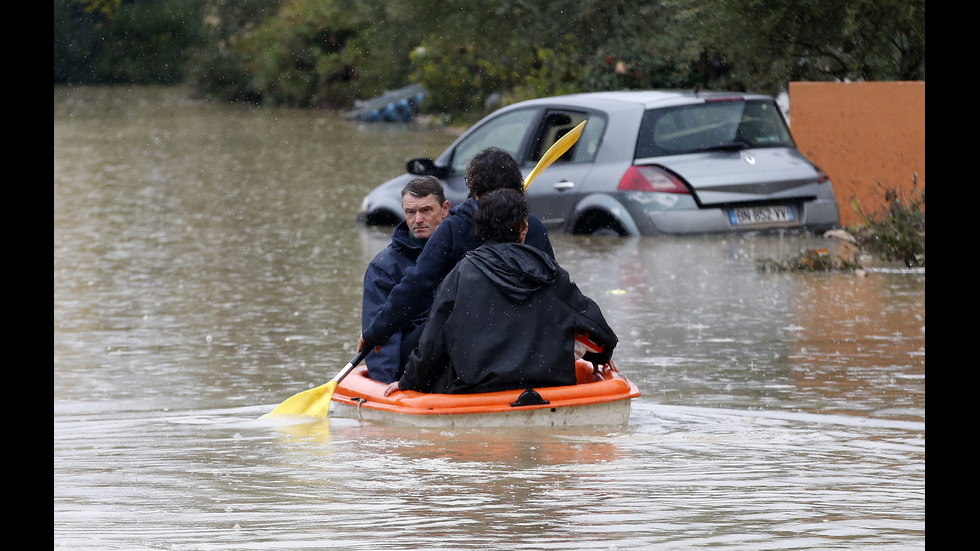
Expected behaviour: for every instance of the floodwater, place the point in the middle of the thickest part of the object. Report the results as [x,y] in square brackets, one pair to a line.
[207,266]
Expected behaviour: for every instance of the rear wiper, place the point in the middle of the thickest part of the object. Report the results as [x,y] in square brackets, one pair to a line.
[731,146]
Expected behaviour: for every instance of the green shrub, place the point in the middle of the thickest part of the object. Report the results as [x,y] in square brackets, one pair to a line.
[899,231]
[302,53]
[110,41]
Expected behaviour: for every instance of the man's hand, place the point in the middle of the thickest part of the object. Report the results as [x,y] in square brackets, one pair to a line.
[584,345]
[391,388]
[361,343]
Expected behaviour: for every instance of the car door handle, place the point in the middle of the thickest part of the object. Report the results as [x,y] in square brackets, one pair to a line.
[564,185]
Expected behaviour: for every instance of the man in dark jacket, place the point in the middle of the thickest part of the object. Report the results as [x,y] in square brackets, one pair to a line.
[489,170]
[506,316]
[425,206]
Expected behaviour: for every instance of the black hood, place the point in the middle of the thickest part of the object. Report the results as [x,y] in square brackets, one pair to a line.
[518,270]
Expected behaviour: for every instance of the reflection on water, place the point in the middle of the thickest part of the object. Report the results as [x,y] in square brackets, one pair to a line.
[709,328]
[206,267]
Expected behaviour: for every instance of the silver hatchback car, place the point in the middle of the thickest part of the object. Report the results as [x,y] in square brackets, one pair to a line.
[647,163]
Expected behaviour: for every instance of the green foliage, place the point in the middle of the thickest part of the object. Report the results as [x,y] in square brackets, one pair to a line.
[632,67]
[106,7]
[551,74]
[462,79]
[303,53]
[768,43]
[473,56]
[217,68]
[123,42]
[298,56]
[899,231]
[75,42]
[147,42]
[647,47]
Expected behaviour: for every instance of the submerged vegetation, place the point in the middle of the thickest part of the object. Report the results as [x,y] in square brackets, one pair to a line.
[811,260]
[895,233]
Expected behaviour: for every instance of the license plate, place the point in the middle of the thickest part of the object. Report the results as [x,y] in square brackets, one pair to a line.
[760,215]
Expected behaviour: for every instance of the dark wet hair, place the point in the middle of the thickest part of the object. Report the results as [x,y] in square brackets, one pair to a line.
[501,217]
[423,186]
[493,168]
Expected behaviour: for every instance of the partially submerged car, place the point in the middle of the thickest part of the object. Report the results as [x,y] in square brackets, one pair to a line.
[647,163]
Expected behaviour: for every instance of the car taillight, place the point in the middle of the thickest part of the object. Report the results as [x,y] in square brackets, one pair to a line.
[651,178]
[821,176]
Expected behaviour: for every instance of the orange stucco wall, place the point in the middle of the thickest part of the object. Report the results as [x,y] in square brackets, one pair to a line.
[862,134]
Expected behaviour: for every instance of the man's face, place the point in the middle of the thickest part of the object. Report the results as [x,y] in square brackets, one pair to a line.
[423,214]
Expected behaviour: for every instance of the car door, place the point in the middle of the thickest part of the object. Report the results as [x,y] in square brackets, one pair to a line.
[554,193]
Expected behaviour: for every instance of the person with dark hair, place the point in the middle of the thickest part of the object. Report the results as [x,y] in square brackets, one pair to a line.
[425,206]
[517,318]
[489,170]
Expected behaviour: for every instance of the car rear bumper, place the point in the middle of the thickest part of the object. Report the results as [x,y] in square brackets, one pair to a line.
[653,217]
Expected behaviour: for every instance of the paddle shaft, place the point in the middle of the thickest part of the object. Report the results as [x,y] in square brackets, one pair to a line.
[350,366]
[556,150]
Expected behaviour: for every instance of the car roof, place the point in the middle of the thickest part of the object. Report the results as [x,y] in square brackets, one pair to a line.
[647,99]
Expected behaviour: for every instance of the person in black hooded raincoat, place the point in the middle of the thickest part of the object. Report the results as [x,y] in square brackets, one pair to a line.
[506,316]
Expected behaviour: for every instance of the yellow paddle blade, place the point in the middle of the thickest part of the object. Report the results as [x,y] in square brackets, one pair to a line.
[556,150]
[314,402]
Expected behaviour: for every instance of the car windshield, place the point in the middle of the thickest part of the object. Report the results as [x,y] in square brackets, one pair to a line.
[712,126]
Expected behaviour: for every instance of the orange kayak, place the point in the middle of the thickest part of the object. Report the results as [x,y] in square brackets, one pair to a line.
[600,397]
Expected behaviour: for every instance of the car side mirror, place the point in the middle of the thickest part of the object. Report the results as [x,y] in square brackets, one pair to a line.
[425,167]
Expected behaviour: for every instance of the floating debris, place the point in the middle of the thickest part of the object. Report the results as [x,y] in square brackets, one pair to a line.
[392,106]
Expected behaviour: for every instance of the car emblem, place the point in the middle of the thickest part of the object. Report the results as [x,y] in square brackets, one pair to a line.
[749,159]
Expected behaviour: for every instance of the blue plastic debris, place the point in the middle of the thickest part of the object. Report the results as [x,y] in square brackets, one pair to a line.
[392,106]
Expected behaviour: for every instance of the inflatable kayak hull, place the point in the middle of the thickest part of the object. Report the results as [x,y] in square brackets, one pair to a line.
[599,398]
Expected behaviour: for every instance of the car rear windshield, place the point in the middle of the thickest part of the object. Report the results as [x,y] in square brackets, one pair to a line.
[714,125]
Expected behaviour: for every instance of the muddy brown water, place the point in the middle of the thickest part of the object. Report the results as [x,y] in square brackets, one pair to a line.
[207,266]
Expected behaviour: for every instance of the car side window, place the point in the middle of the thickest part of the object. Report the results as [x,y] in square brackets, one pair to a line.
[557,123]
[507,132]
